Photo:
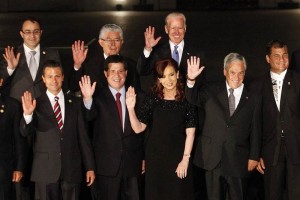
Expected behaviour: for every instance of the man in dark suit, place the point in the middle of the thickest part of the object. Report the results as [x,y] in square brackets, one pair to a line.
[176,47]
[12,155]
[61,143]
[295,61]
[22,71]
[229,144]
[110,43]
[280,154]
[118,150]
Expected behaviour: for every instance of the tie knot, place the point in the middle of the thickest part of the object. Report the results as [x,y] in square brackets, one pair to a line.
[118,95]
[231,90]
[56,98]
[175,47]
[32,53]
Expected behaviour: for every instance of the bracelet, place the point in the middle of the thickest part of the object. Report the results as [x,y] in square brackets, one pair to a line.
[187,155]
[187,77]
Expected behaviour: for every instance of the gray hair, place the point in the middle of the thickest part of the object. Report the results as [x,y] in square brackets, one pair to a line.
[234,57]
[174,15]
[110,28]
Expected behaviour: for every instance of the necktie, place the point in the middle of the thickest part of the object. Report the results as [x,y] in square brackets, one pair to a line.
[231,101]
[175,54]
[32,65]
[275,89]
[119,105]
[57,113]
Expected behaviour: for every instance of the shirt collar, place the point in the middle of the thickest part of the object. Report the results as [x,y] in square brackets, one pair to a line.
[114,91]
[180,45]
[278,76]
[51,96]
[27,49]
[238,90]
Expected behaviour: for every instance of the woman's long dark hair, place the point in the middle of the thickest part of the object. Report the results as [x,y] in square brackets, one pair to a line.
[160,67]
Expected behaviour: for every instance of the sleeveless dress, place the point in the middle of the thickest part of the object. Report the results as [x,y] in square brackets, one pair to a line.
[167,121]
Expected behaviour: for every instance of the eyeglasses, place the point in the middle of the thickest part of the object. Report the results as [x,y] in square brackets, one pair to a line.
[109,41]
[34,32]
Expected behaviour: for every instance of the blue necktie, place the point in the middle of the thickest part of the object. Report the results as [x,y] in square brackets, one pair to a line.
[175,54]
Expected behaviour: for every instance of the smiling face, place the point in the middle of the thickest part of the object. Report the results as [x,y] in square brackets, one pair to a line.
[31,33]
[116,75]
[175,28]
[53,79]
[235,74]
[278,59]
[169,79]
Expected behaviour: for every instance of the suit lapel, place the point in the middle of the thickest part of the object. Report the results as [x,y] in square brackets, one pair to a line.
[113,107]
[23,65]
[223,100]
[244,99]
[47,108]
[39,73]
[285,88]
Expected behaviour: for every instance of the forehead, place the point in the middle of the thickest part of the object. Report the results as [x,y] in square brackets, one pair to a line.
[169,69]
[30,25]
[236,66]
[279,50]
[53,71]
[116,66]
[111,34]
[175,21]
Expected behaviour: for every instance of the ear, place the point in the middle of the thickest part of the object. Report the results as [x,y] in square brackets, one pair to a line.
[267,58]
[166,29]
[100,42]
[225,72]
[159,80]
[43,78]
[22,34]
[105,74]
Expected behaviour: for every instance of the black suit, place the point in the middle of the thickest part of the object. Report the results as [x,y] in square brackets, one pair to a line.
[21,80]
[12,145]
[145,66]
[58,155]
[117,153]
[281,134]
[94,67]
[226,142]
[295,61]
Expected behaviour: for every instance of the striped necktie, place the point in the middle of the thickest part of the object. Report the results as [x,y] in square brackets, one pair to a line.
[57,113]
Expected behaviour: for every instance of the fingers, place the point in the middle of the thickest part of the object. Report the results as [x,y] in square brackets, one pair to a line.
[17,176]
[181,173]
[90,178]
[1,81]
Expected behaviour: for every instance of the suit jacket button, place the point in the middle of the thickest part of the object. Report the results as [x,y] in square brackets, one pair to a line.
[228,126]
[61,139]
[59,154]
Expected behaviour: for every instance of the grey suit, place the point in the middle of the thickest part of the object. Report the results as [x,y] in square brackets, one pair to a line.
[21,80]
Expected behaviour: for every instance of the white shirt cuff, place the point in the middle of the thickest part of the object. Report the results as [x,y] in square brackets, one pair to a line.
[88,104]
[28,118]
[147,53]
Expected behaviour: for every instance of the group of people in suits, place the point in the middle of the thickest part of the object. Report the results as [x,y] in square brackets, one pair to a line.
[96,129]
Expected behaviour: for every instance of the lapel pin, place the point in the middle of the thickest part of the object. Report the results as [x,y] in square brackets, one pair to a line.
[1,111]
[188,53]
[247,97]
[44,52]
[289,83]
[2,106]
[70,101]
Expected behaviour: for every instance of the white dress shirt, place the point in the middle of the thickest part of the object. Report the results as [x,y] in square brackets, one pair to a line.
[279,82]
[236,92]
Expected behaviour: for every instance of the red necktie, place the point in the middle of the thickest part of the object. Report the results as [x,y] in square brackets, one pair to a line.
[119,105]
[57,113]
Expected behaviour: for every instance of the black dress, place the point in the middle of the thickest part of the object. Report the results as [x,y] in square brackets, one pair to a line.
[167,121]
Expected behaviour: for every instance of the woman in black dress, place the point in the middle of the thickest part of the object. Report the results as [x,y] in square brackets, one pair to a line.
[171,121]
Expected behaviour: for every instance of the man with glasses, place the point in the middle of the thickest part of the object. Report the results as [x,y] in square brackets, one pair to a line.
[22,72]
[23,68]
[110,41]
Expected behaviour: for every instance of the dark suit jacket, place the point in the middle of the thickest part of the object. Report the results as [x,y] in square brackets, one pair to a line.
[58,154]
[12,144]
[145,66]
[230,141]
[94,67]
[274,122]
[113,148]
[295,61]
[21,80]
